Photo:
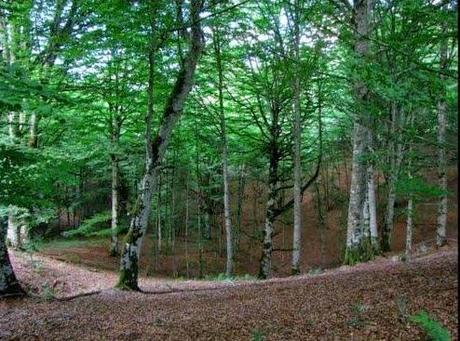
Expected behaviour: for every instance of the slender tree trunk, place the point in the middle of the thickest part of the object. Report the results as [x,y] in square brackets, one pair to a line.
[297,194]
[372,208]
[441,227]
[360,138]
[156,148]
[409,227]
[115,186]
[396,154]
[9,285]
[240,199]
[159,237]
[187,266]
[224,145]
[321,222]
[33,130]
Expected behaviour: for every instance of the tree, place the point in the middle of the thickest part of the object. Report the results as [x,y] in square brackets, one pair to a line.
[361,19]
[156,148]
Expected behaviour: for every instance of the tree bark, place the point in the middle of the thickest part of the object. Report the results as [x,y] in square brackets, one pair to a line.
[115,137]
[297,194]
[396,154]
[361,18]
[442,161]
[224,143]
[409,227]
[9,285]
[372,208]
[270,216]
[156,148]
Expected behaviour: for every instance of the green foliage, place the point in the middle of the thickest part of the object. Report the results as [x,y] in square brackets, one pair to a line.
[363,252]
[257,335]
[419,188]
[433,329]
[91,227]
[222,277]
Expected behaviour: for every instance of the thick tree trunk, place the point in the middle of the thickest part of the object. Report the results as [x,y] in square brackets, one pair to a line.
[358,186]
[270,216]
[357,195]
[442,161]
[9,285]
[156,149]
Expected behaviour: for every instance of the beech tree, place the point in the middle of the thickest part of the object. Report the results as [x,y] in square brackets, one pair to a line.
[156,146]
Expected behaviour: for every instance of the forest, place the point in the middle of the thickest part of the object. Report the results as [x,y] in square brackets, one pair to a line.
[193,161]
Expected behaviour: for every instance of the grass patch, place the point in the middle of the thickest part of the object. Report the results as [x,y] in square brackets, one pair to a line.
[434,330]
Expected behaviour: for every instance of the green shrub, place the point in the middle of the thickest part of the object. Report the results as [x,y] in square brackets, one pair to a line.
[434,330]
[94,226]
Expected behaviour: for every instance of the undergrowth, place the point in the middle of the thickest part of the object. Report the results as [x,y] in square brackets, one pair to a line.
[433,329]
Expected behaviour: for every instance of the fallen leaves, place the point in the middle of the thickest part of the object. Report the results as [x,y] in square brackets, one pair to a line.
[365,302]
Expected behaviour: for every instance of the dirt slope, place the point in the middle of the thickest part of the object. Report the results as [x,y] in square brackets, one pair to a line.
[366,302]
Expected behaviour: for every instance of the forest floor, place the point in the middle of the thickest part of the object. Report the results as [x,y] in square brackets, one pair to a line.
[370,301]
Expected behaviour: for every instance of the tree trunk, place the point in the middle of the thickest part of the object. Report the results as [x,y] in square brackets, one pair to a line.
[187,266]
[115,186]
[224,145]
[372,208]
[33,130]
[396,154]
[442,161]
[297,194]
[156,148]
[240,199]
[9,285]
[159,236]
[409,227]
[321,222]
[360,138]
[267,246]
